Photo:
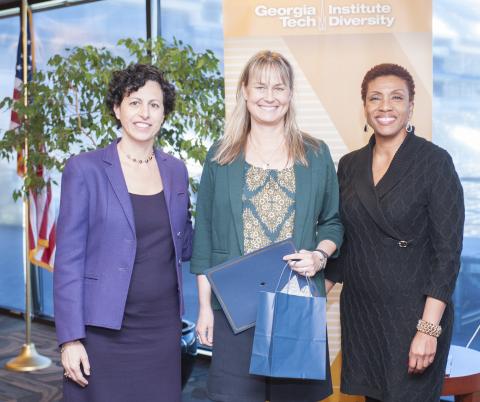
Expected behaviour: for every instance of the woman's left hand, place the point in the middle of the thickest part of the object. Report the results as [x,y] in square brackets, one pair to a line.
[305,262]
[422,353]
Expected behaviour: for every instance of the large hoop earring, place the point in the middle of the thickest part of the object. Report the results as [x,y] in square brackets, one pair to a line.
[409,127]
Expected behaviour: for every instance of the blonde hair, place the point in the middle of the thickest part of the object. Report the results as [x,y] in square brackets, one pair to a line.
[238,126]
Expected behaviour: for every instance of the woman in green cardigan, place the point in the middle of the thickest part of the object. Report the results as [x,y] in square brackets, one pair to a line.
[263,182]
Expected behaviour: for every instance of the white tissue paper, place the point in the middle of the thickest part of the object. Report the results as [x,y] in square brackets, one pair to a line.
[293,288]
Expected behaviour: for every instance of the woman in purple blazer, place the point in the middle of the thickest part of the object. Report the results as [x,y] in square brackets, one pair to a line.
[124,229]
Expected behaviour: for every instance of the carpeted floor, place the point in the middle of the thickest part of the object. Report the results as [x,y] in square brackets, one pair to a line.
[45,385]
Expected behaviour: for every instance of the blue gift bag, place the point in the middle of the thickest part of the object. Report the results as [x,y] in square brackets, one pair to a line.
[290,336]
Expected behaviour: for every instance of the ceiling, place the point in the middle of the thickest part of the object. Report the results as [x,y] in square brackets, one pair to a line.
[12,4]
[6,4]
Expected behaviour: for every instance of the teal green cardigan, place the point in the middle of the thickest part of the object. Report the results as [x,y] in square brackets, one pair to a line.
[219,223]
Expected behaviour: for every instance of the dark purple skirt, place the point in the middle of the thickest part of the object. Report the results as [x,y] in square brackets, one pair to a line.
[141,361]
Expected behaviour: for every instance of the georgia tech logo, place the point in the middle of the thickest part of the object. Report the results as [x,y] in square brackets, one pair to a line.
[331,16]
[290,17]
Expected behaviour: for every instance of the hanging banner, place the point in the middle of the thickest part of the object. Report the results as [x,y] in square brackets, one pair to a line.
[331,44]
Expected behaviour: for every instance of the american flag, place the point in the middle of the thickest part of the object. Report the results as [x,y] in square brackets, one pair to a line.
[41,224]
[18,86]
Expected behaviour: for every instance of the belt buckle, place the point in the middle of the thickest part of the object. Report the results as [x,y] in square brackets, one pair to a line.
[403,243]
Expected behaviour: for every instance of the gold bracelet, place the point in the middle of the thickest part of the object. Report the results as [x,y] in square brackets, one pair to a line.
[429,328]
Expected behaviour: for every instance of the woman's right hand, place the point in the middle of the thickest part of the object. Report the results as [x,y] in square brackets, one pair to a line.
[74,354]
[205,325]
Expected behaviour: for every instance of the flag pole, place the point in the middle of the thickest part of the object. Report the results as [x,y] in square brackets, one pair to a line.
[28,359]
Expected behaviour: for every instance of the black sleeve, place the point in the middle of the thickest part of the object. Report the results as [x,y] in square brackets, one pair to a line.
[334,268]
[446,214]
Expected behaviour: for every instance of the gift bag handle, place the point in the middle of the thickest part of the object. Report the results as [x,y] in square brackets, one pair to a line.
[313,289]
[281,275]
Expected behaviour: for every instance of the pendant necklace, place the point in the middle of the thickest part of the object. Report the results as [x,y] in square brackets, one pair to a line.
[266,162]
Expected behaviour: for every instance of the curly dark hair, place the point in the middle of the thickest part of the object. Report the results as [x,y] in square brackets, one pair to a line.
[131,79]
[381,70]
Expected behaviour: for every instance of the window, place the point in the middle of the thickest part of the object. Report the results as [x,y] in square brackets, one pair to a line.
[456,127]
[11,279]
[196,22]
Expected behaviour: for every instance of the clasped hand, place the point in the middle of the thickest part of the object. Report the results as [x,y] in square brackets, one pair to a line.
[305,262]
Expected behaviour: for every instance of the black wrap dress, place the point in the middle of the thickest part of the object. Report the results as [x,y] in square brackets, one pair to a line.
[403,239]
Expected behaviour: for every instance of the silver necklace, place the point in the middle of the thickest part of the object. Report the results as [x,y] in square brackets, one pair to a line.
[266,165]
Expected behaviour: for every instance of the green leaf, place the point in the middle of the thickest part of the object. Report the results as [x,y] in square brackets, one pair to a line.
[67,113]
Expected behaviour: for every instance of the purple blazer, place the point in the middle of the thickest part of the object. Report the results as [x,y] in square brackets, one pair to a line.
[96,240]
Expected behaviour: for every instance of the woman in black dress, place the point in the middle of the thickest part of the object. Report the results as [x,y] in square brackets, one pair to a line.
[402,207]
[123,230]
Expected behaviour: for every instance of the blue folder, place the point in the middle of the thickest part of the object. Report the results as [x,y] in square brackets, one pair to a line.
[236,283]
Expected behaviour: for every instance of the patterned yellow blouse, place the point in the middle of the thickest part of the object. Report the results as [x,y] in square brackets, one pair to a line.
[268,206]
